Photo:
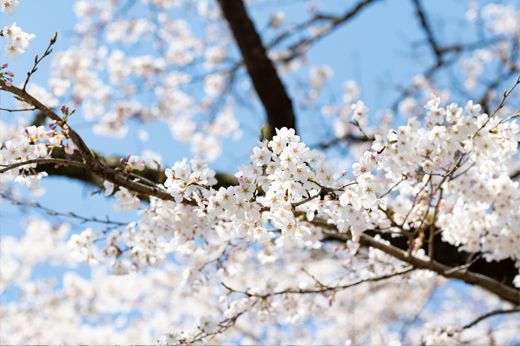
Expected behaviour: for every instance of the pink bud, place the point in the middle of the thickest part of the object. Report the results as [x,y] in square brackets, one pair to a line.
[344,173]
[122,161]
[10,74]
[62,108]
[9,82]
[5,65]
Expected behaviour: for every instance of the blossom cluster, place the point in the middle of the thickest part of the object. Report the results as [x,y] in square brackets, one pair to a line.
[31,143]
[17,41]
[478,209]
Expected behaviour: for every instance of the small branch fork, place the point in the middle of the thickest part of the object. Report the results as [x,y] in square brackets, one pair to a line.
[296,49]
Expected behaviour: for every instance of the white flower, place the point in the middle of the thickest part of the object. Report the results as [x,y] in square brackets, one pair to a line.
[136,162]
[348,197]
[23,40]
[11,31]
[208,324]
[109,187]
[13,51]
[8,6]
[473,109]
[433,103]
[360,111]
[125,200]
[120,269]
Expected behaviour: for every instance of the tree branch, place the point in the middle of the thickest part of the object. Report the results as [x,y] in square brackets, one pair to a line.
[267,83]
[489,314]
[295,49]
[323,288]
[42,162]
[502,290]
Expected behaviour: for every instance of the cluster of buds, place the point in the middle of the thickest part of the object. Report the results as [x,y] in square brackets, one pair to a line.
[66,113]
[8,80]
[63,123]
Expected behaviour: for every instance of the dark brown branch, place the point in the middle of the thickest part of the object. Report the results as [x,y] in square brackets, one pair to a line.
[267,83]
[509,293]
[89,159]
[114,162]
[345,139]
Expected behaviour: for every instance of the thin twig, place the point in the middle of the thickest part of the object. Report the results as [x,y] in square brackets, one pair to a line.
[42,162]
[48,51]
[324,288]
[57,213]
[489,314]
[18,110]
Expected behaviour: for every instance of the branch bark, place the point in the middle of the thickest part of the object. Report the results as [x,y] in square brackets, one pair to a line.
[265,78]
[509,293]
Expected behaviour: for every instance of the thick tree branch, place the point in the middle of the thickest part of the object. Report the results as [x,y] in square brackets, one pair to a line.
[88,158]
[502,290]
[267,83]
[114,162]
